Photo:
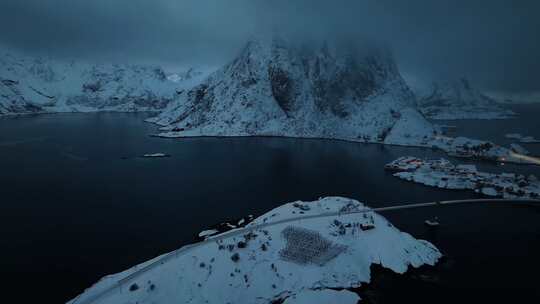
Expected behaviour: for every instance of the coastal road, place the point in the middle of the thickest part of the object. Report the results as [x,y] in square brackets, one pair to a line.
[117,286]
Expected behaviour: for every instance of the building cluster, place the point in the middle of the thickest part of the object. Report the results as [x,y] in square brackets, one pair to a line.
[442,173]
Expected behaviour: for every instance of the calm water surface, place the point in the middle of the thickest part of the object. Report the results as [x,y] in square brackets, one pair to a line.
[77,201]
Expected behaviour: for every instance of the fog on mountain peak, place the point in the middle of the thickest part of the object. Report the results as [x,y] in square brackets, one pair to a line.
[494,43]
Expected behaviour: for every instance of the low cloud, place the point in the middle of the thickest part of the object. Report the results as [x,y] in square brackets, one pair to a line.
[495,42]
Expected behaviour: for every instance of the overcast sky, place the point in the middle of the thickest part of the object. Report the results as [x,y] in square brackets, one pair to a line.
[494,42]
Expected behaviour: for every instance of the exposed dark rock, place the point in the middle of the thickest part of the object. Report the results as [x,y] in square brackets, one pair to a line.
[92,87]
[282,88]
[9,82]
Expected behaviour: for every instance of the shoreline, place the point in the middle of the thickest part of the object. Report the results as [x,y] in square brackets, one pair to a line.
[349,140]
[341,140]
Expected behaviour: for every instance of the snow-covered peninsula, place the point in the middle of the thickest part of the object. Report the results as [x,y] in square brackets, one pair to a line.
[295,252]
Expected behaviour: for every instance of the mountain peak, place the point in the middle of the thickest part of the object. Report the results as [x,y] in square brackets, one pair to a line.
[275,86]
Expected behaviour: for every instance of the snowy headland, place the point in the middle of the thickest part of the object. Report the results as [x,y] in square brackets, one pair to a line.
[280,256]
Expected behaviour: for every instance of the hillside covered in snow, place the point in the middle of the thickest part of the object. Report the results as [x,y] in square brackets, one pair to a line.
[35,85]
[459,100]
[277,88]
[295,253]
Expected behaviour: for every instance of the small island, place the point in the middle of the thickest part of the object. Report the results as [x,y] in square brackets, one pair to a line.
[155,155]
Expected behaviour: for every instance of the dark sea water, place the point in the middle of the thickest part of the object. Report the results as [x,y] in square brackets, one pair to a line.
[77,202]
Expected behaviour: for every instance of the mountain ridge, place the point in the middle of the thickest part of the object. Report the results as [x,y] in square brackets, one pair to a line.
[36,85]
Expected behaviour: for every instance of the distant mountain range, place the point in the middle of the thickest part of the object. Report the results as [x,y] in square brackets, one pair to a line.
[32,85]
[275,88]
[459,100]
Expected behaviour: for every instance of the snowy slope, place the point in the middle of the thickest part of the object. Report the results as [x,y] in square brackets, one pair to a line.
[263,265]
[276,88]
[459,100]
[29,85]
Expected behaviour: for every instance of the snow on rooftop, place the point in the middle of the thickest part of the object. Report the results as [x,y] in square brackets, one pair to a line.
[443,174]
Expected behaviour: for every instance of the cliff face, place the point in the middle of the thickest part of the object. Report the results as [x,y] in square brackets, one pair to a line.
[32,85]
[275,88]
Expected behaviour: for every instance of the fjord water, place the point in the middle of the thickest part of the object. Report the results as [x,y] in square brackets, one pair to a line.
[78,202]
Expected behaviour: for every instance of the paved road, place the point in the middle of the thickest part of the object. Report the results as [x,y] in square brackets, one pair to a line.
[238,232]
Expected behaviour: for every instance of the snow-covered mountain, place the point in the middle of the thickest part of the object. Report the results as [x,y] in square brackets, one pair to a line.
[459,100]
[275,88]
[33,85]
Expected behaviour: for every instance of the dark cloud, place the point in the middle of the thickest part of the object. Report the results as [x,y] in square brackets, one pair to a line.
[493,42]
